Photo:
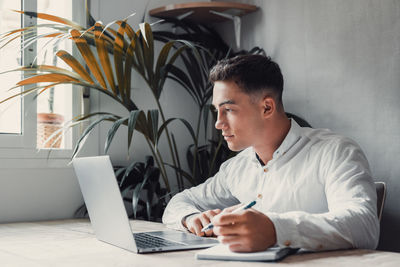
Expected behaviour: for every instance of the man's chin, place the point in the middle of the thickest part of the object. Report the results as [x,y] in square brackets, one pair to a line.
[235,147]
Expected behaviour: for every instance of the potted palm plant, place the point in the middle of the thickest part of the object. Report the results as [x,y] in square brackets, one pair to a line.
[109,57]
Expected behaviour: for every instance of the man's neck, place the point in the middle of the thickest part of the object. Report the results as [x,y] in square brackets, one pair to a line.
[274,139]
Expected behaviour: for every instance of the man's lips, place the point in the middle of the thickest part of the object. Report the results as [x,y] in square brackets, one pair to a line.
[227,136]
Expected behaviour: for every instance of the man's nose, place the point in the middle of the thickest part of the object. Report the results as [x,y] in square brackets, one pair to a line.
[219,124]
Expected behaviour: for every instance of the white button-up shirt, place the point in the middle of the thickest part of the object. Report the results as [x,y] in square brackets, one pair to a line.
[317,190]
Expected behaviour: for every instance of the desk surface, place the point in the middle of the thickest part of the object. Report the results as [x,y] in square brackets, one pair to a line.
[72,243]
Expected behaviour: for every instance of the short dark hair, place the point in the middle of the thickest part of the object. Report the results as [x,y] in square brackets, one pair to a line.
[252,73]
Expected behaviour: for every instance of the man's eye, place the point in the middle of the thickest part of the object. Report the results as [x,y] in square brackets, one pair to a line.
[228,109]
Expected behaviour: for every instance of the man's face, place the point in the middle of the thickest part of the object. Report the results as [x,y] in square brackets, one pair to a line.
[239,118]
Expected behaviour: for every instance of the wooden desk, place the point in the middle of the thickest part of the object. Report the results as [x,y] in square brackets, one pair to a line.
[72,243]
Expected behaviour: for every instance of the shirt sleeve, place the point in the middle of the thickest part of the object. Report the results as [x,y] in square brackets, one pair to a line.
[214,193]
[351,221]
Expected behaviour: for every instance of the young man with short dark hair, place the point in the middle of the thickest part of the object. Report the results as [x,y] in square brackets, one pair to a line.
[313,187]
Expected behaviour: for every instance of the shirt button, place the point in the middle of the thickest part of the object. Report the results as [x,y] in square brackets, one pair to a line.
[259,196]
[287,243]
[266,170]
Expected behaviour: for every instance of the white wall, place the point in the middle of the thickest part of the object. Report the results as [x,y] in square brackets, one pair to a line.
[341,64]
[340,60]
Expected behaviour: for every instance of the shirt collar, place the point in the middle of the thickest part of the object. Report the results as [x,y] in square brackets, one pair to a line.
[292,137]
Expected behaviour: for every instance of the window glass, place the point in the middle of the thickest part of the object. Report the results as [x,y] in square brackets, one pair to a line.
[10,58]
[54,106]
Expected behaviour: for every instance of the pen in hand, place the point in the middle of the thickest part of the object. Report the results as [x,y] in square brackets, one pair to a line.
[245,207]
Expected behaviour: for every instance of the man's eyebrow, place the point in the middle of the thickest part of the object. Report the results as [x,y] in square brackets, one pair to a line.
[226,102]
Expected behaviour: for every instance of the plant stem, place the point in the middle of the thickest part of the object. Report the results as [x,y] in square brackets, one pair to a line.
[180,181]
[196,149]
[160,163]
[168,137]
[163,168]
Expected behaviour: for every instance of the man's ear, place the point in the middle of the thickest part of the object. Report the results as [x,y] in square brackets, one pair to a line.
[269,106]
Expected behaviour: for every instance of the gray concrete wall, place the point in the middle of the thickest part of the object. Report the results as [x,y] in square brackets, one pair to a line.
[341,63]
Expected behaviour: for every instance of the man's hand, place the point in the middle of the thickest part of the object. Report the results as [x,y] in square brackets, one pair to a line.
[245,231]
[196,222]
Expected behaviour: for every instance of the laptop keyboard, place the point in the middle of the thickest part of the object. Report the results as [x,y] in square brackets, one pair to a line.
[144,240]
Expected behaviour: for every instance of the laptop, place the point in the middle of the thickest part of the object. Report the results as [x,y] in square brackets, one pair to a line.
[109,218]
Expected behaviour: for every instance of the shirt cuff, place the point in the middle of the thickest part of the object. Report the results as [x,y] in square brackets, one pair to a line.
[286,231]
[187,217]
[178,224]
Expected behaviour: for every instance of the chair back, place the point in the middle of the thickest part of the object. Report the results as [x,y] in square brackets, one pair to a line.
[381,196]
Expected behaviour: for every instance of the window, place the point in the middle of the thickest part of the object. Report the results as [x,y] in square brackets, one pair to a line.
[10,112]
[26,122]
[54,106]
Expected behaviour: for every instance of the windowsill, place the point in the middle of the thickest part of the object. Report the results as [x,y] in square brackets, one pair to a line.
[31,153]
[35,163]
[32,158]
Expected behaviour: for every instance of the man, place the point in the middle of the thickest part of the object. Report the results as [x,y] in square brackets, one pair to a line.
[313,188]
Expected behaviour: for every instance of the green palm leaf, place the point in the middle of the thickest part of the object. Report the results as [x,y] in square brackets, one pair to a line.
[118,58]
[88,130]
[148,49]
[162,57]
[133,117]
[185,122]
[111,133]
[129,62]
[152,125]
[183,173]
[87,116]
[136,192]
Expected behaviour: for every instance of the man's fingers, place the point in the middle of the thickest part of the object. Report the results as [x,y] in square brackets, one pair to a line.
[195,226]
[228,218]
[234,242]
[197,229]
[199,221]
[213,213]
[209,233]
[229,239]
[237,248]
[204,221]
[228,229]
[232,208]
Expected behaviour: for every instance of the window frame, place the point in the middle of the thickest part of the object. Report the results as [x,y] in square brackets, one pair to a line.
[23,146]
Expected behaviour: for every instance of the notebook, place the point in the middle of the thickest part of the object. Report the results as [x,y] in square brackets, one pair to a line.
[108,215]
[222,252]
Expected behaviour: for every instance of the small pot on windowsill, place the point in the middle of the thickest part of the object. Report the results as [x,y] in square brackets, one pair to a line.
[47,124]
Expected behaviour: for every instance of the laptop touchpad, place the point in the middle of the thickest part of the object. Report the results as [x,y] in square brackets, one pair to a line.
[185,238]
